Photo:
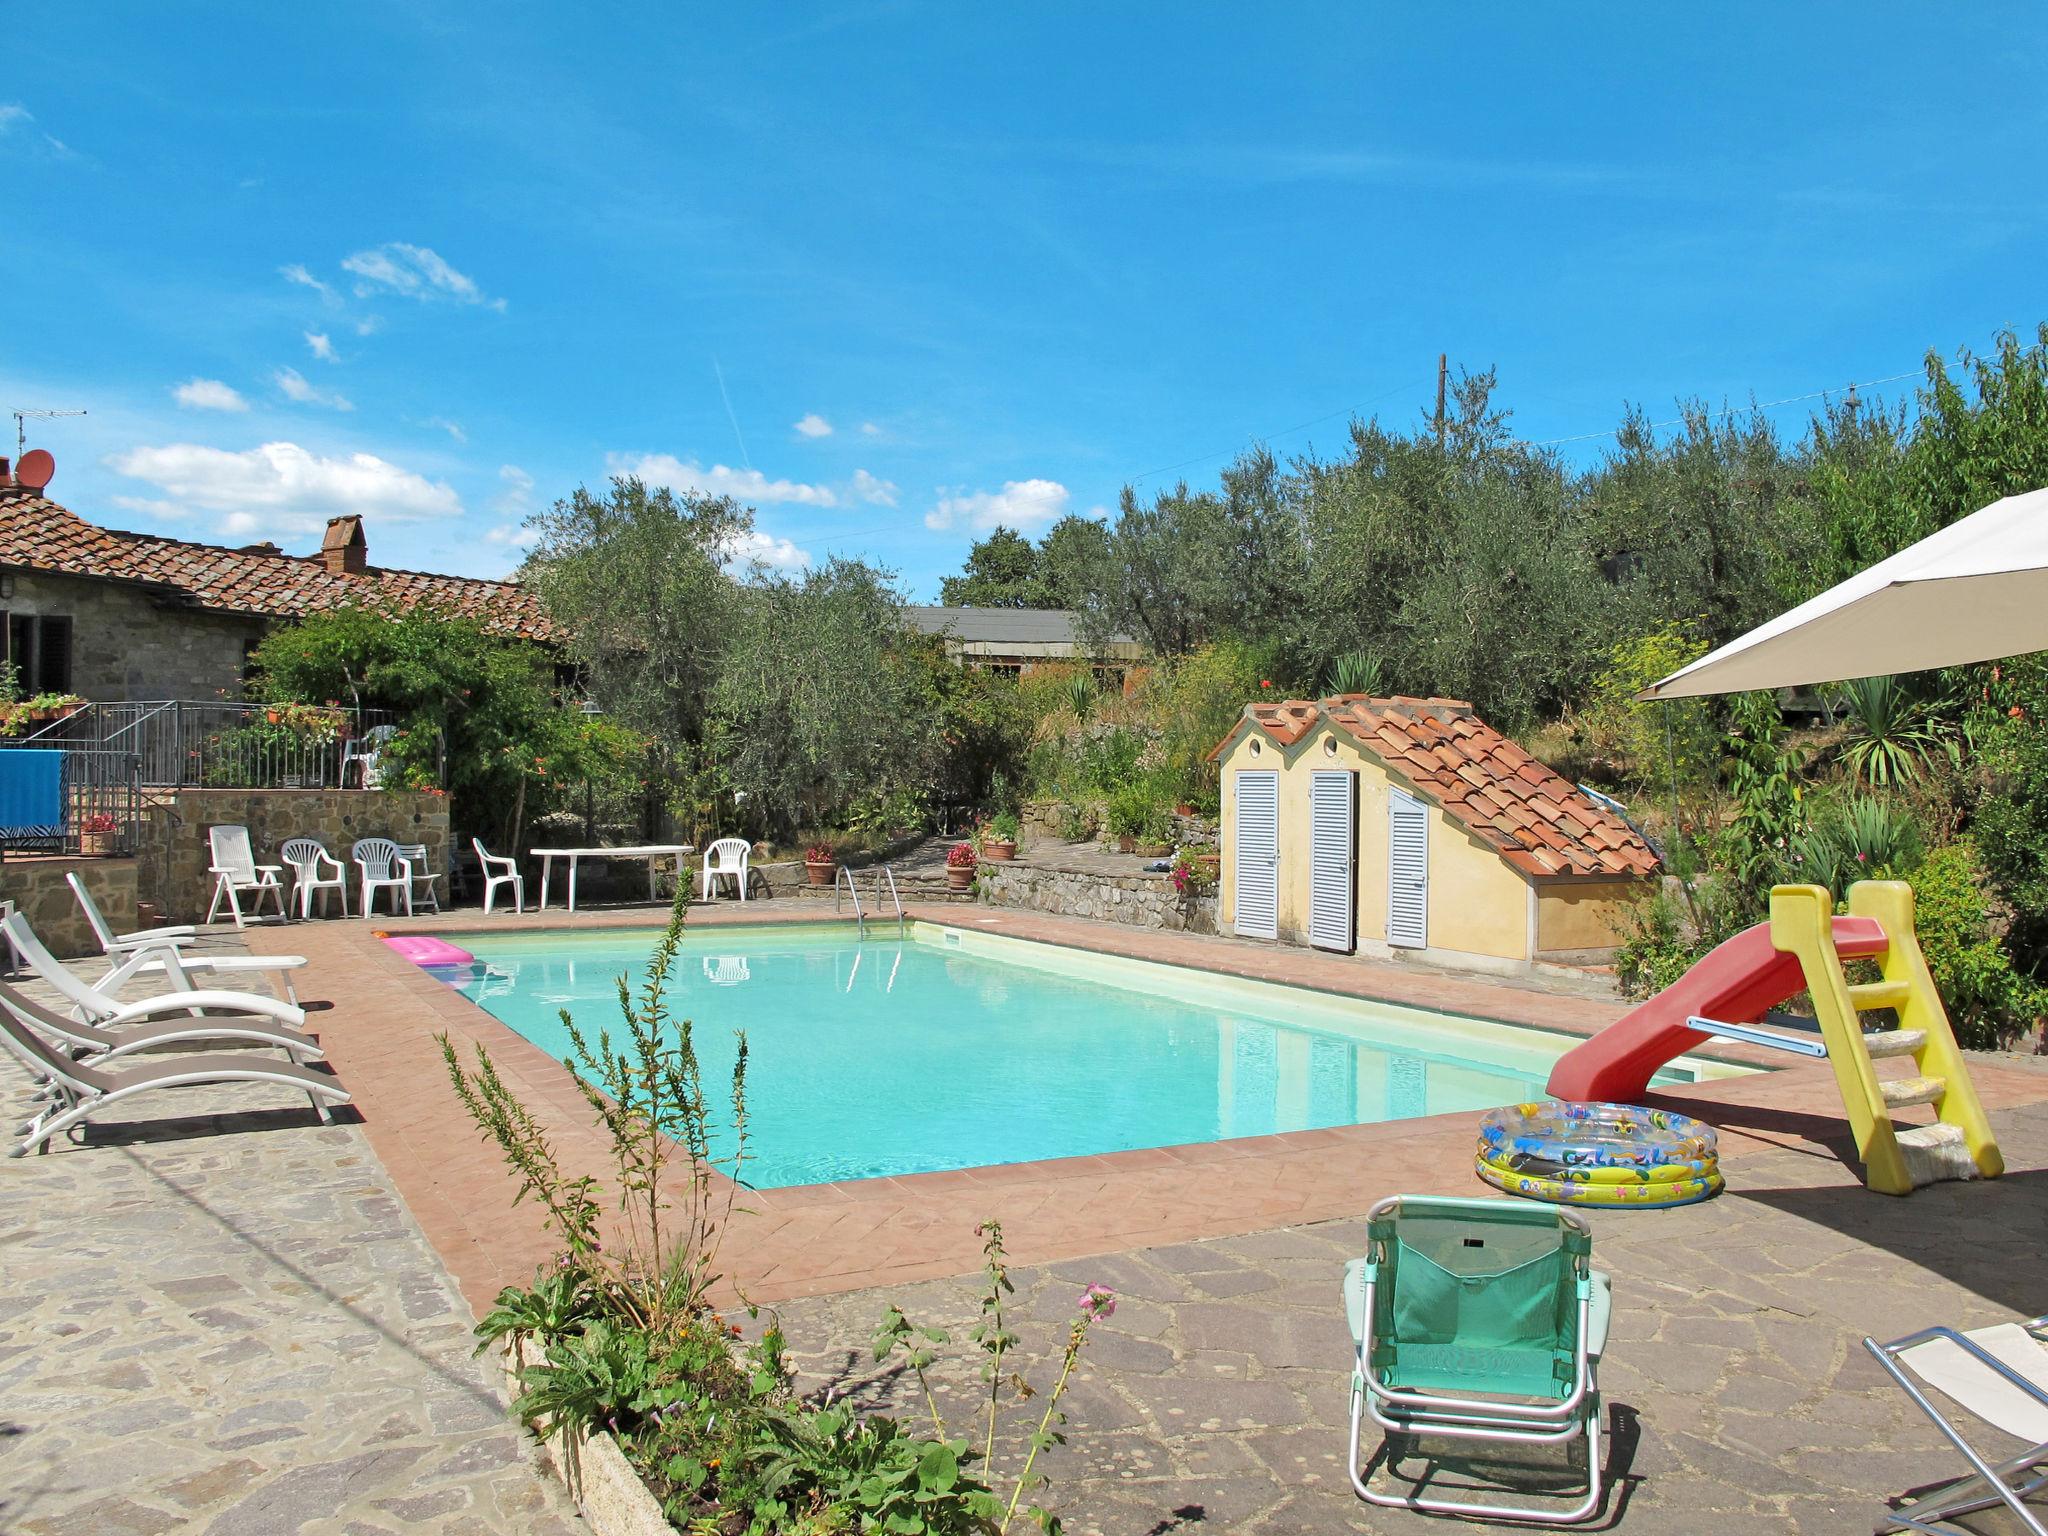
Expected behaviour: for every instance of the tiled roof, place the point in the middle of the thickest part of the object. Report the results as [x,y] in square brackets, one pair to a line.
[39,535]
[1535,819]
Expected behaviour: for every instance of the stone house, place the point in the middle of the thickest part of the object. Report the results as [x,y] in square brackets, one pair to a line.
[1015,640]
[117,616]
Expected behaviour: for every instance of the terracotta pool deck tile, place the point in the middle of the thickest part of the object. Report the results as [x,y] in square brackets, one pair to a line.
[808,1240]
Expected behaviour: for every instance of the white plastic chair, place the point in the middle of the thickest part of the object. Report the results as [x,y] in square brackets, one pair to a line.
[236,871]
[118,944]
[384,869]
[726,857]
[367,752]
[495,876]
[304,856]
[425,887]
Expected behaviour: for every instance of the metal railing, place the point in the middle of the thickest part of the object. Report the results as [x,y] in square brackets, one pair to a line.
[884,872]
[89,802]
[846,874]
[217,744]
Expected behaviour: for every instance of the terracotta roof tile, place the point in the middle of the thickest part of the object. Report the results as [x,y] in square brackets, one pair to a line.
[1538,821]
[39,535]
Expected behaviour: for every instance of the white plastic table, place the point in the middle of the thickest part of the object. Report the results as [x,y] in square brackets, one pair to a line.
[651,852]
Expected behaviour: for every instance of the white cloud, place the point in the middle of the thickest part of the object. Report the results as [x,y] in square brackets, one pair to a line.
[414,271]
[814,425]
[748,485]
[321,347]
[151,508]
[512,536]
[297,273]
[369,325]
[756,547]
[1021,504]
[874,490]
[283,488]
[13,115]
[295,387]
[452,428]
[869,429]
[209,395]
[516,500]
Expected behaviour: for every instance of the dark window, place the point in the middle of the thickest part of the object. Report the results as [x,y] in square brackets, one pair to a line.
[39,649]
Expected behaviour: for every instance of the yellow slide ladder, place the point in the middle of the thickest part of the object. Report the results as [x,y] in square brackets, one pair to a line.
[1895,1162]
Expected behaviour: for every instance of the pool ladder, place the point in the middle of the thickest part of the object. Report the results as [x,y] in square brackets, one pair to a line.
[853,889]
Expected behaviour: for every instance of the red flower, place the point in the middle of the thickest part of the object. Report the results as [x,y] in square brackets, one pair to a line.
[2017,713]
[1265,682]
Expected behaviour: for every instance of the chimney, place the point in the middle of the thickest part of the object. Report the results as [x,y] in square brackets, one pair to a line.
[344,551]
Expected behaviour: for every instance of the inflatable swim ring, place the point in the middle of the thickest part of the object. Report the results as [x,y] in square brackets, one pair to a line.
[1598,1154]
[426,950]
[1641,1197]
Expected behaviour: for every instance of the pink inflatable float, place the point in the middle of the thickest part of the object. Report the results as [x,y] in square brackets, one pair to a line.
[425,949]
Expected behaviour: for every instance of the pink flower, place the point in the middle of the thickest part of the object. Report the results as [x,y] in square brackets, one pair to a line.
[1097,1301]
[1862,858]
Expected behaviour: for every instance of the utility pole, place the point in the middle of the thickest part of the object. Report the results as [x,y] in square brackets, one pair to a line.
[1443,367]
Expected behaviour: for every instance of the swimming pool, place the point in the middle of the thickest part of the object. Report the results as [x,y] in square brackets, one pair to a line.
[956,1049]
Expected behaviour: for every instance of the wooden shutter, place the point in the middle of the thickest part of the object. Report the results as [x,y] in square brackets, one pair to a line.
[1407,872]
[1256,857]
[1332,859]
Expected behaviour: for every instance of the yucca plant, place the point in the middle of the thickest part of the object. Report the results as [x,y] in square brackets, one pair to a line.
[1892,732]
[1857,837]
[1081,695]
[1357,672]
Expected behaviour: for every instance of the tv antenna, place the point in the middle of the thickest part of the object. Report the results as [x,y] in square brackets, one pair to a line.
[21,417]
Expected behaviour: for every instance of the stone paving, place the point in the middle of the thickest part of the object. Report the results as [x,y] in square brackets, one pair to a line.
[1738,1394]
[227,1322]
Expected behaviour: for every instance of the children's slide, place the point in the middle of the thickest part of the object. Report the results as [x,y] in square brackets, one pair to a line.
[1737,982]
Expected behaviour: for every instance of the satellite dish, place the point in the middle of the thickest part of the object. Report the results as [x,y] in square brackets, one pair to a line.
[35,468]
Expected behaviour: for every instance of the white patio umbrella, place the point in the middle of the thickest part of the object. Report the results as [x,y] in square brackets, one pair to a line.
[1975,591]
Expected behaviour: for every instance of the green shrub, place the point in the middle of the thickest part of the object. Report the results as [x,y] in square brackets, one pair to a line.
[1633,742]
[1856,837]
[1988,1001]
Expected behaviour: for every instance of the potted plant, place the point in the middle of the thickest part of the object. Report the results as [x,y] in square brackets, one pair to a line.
[999,838]
[1194,872]
[821,864]
[96,834]
[1128,808]
[960,862]
[1155,834]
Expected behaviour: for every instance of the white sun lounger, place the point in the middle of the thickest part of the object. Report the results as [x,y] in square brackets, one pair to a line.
[76,1091]
[95,1045]
[2000,1376]
[160,951]
[94,1003]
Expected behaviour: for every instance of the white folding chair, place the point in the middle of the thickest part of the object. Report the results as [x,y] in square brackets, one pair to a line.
[1998,1375]
[310,863]
[726,858]
[499,870]
[235,871]
[425,889]
[383,868]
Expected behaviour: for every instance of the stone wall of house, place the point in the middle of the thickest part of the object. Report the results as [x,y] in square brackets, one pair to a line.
[174,851]
[129,643]
[1142,901]
[38,890]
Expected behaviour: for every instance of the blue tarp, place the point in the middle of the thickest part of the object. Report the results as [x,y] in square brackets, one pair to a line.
[31,793]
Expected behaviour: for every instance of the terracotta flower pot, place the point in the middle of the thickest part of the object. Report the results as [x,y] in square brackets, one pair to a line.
[821,874]
[95,845]
[1002,852]
[959,876]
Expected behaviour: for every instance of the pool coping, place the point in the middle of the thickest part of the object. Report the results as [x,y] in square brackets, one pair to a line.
[822,1238]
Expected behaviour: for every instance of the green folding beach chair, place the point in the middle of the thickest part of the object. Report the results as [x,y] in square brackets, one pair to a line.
[1477,1320]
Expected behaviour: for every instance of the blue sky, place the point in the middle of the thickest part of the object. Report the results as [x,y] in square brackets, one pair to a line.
[441,263]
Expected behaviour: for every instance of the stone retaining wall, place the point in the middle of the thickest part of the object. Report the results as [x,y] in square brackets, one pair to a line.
[37,888]
[1142,901]
[174,854]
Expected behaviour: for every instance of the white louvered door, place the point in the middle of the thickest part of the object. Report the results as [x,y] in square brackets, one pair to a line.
[1332,858]
[1407,872]
[1257,856]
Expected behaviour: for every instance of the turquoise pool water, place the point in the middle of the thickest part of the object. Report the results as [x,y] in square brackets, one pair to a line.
[956,1049]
